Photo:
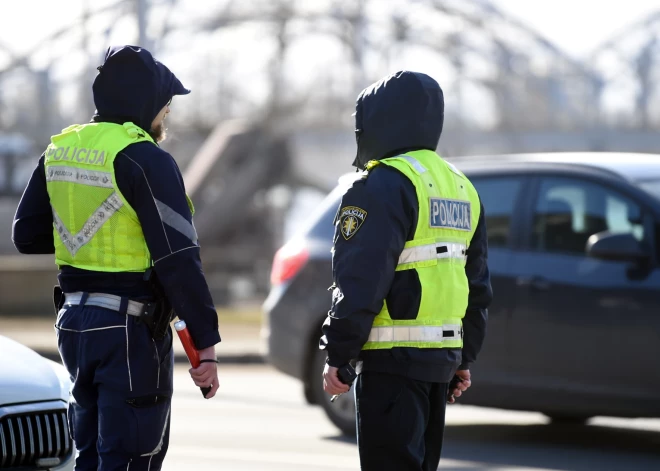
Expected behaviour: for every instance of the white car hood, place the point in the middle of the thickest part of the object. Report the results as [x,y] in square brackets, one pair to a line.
[26,376]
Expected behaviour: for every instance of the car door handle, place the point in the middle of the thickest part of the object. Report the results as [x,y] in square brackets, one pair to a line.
[536,283]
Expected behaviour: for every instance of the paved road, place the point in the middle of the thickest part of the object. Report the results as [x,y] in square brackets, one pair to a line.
[260,422]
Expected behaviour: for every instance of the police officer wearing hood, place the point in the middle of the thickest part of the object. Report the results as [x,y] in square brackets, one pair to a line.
[111,205]
[411,281]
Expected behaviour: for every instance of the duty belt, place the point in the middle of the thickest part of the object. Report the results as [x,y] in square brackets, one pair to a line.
[108,301]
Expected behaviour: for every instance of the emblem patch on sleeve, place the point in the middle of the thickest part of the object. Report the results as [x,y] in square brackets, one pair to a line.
[451,214]
[351,219]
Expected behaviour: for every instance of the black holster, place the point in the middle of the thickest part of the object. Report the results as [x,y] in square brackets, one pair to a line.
[157,314]
[58,299]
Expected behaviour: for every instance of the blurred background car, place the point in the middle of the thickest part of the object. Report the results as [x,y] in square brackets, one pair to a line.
[34,392]
[574,242]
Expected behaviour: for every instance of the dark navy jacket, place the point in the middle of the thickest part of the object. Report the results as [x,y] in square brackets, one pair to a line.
[401,113]
[150,180]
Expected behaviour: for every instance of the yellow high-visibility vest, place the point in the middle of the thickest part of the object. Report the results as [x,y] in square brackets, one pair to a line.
[448,216]
[94,226]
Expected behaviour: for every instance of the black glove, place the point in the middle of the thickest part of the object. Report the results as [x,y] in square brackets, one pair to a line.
[346,374]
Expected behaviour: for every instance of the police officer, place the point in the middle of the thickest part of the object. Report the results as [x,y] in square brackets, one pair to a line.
[411,281]
[111,205]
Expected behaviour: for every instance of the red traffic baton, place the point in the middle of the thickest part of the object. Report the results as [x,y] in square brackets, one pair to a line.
[189,347]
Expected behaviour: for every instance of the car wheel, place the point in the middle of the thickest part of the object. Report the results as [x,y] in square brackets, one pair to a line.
[564,419]
[342,411]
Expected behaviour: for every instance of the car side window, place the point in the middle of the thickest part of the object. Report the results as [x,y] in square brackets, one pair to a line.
[569,210]
[499,196]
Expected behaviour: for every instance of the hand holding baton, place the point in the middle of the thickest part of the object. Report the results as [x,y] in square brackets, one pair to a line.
[189,347]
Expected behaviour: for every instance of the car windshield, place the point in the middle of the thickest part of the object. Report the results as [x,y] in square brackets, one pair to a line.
[652,187]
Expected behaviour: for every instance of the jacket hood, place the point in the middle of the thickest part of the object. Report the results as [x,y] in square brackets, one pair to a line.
[399,113]
[132,86]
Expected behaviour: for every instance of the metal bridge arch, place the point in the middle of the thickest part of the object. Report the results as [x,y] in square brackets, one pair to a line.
[525,81]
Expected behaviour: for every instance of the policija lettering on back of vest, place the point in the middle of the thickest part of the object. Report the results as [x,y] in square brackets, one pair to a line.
[80,155]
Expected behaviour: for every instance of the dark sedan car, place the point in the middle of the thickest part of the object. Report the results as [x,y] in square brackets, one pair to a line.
[574,330]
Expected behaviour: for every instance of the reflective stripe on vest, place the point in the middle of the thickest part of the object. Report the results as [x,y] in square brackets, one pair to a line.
[415,163]
[433,251]
[79,175]
[415,333]
[74,242]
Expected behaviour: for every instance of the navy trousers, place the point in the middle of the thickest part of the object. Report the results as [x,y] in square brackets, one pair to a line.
[119,408]
[400,422]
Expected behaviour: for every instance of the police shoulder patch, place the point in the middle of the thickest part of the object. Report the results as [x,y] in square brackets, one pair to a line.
[351,219]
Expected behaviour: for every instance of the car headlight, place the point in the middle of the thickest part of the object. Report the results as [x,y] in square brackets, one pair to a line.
[63,378]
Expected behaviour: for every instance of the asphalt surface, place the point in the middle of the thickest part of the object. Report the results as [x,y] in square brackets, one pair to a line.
[260,421]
